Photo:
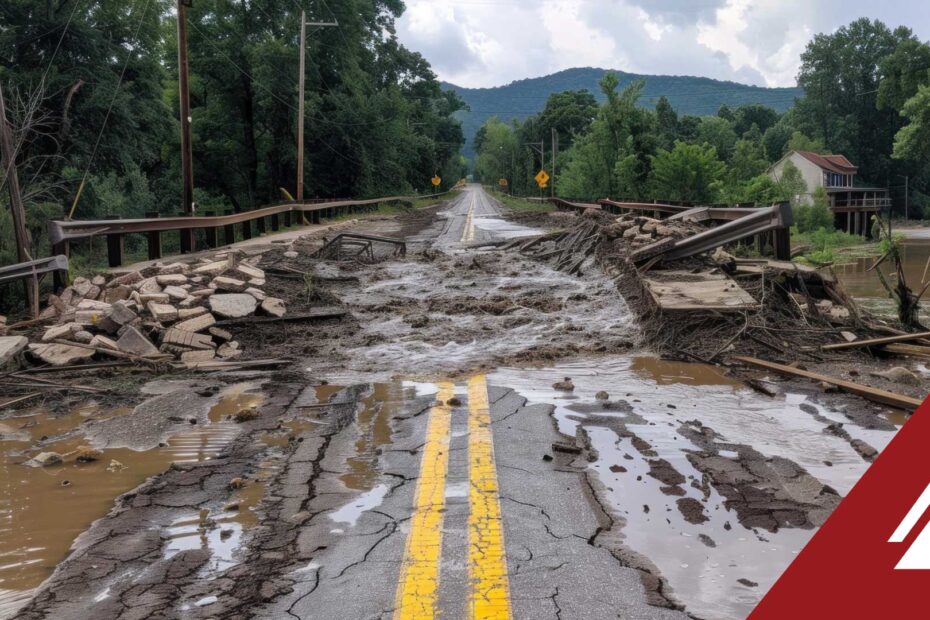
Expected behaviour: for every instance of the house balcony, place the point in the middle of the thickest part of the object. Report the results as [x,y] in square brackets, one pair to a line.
[853,199]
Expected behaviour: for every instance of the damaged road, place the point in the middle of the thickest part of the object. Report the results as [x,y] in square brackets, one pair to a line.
[482,434]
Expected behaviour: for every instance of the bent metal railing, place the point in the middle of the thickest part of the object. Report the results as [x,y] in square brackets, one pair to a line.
[63,232]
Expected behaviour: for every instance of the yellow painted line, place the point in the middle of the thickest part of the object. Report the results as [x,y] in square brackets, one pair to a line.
[487,562]
[418,587]
[468,234]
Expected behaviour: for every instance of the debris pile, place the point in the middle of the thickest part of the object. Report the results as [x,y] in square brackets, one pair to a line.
[701,307]
[170,311]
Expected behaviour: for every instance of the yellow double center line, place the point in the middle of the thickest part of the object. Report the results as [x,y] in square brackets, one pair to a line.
[419,576]
[468,234]
[418,589]
[487,562]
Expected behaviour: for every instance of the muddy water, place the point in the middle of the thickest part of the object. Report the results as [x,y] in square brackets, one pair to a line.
[43,510]
[703,563]
[865,286]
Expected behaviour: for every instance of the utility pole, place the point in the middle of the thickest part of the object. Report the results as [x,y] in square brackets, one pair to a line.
[539,147]
[187,157]
[23,242]
[300,104]
[555,147]
[906,196]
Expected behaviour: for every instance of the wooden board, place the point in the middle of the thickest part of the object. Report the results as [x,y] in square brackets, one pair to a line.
[682,291]
[880,396]
[909,349]
[875,342]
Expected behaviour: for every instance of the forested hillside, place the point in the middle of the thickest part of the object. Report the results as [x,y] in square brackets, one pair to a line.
[688,95]
[867,97]
[91,90]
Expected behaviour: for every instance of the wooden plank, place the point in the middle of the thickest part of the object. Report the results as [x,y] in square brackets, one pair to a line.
[684,292]
[908,349]
[874,394]
[323,313]
[875,342]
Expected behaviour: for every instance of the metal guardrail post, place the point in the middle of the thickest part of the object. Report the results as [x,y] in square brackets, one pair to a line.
[229,230]
[211,233]
[314,217]
[246,230]
[782,243]
[188,241]
[115,246]
[59,278]
[260,226]
[288,222]
[275,222]
[154,239]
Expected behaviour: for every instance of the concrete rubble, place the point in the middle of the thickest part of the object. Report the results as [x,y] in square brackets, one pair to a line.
[160,313]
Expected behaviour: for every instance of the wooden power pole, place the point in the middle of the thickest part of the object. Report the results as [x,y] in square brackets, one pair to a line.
[187,157]
[23,242]
[301,97]
[555,146]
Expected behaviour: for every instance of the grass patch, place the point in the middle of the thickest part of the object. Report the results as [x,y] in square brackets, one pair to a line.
[521,204]
[832,246]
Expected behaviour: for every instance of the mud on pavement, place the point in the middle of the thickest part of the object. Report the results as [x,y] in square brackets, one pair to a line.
[628,485]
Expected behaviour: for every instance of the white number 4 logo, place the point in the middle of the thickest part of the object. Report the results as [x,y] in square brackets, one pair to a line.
[917,556]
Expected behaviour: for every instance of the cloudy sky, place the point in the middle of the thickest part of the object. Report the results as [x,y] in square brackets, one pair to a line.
[493,42]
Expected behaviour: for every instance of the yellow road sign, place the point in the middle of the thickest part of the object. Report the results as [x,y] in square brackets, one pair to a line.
[502,183]
[542,178]
[437,181]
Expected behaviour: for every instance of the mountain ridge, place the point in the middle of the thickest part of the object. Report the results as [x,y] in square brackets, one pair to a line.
[688,94]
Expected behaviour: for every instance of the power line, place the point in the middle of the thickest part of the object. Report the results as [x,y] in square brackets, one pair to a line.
[106,118]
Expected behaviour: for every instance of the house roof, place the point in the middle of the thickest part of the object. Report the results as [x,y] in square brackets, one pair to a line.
[833,163]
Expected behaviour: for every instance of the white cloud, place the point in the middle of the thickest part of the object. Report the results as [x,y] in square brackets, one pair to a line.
[493,42]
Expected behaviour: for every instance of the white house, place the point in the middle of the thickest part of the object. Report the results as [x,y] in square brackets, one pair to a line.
[852,205]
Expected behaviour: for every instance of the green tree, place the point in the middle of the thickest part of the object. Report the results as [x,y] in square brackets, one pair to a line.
[913,140]
[689,172]
[791,185]
[718,133]
[816,216]
[570,113]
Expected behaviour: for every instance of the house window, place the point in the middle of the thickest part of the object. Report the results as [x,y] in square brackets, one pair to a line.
[837,180]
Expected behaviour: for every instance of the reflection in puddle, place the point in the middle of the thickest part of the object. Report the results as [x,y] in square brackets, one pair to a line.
[374,431]
[702,563]
[42,510]
[351,512]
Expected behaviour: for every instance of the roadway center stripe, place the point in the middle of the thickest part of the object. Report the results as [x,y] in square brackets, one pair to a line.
[468,234]
[487,562]
[418,587]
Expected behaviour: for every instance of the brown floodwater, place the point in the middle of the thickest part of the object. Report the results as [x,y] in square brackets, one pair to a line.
[44,509]
[374,431]
[860,282]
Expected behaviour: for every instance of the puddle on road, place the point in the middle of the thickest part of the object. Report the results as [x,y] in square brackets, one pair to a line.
[43,510]
[350,513]
[703,563]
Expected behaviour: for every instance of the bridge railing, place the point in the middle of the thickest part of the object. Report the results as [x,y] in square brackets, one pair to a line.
[63,232]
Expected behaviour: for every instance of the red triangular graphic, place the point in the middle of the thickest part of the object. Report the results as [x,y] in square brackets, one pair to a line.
[848,569]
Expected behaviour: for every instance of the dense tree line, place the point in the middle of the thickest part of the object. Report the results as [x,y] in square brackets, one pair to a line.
[92,92]
[867,96]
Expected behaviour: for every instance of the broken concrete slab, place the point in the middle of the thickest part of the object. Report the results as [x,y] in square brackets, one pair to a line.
[102,342]
[128,279]
[222,334]
[93,304]
[175,292]
[198,356]
[187,339]
[117,293]
[257,293]
[57,332]
[172,268]
[212,269]
[222,283]
[60,354]
[249,272]
[163,313]
[197,324]
[10,347]
[274,306]
[172,279]
[44,459]
[121,314]
[189,313]
[147,286]
[233,306]
[134,342]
